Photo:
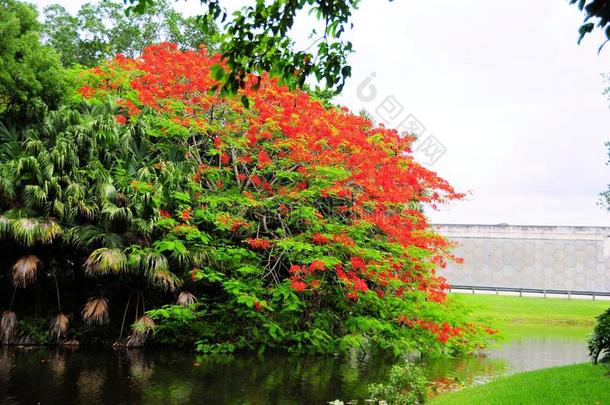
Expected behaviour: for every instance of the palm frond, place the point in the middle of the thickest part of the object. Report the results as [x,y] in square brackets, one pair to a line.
[117,214]
[7,181]
[76,191]
[155,262]
[8,326]
[95,311]
[106,260]
[87,209]
[5,226]
[106,191]
[25,270]
[34,196]
[26,231]
[59,327]
[49,230]
[186,299]
[89,235]
[165,279]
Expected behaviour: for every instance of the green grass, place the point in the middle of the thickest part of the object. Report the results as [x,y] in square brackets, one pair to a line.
[576,384]
[533,310]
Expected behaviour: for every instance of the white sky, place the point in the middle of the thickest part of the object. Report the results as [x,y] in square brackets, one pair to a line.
[504,87]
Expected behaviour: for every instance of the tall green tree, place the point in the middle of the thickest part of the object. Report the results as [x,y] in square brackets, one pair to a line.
[101,30]
[30,73]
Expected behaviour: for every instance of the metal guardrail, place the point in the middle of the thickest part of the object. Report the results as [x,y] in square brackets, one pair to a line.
[542,291]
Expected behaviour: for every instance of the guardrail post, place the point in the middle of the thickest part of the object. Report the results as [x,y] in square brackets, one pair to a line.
[473,290]
[593,295]
[544,293]
[520,292]
[569,294]
[496,290]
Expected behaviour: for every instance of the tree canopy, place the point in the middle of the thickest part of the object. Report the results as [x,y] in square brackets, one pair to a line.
[30,73]
[285,224]
[101,30]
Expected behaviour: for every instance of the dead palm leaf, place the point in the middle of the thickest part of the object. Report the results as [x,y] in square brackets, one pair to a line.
[25,270]
[59,327]
[95,311]
[165,279]
[8,326]
[186,299]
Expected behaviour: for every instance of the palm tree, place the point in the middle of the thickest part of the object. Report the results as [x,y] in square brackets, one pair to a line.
[92,188]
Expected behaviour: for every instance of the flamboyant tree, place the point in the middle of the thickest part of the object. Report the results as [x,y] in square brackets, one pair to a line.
[274,220]
[309,218]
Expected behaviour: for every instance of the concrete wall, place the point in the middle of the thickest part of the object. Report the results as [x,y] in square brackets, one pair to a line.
[550,257]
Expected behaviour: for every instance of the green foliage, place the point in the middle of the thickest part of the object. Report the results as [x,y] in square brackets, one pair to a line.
[598,342]
[406,385]
[598,10]
[30,73]
[101,30]
[36,329]
[257,38]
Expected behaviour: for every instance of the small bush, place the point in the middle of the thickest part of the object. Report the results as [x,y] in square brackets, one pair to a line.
[406,385]
[599,340]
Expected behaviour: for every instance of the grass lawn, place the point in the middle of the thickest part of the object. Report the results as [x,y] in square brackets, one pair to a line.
[576,384]
[533,310]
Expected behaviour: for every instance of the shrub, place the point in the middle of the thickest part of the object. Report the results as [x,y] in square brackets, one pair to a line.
[599,340]
[406,385]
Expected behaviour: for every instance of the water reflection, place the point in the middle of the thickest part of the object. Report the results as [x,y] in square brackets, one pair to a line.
[534,353]
[105,376]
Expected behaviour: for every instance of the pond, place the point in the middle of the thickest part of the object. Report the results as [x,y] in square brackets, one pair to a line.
[152,376]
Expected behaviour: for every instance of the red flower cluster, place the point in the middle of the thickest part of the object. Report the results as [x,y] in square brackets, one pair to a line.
[442,332]
[259,243]
[298,285]
[319,239]
[185,215]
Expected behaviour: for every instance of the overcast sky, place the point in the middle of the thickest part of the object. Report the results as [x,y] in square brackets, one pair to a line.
[502,88]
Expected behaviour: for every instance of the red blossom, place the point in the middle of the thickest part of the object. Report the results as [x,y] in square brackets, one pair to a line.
[360,285]
[317,265]
[298,285]
[295,269]
[357,262]
[319,239]
[165,214]
[259,243]
[120,119]
[185,215]
[263,159]
[86,91]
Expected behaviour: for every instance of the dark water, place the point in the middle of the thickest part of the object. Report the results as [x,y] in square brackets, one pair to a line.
[104,376]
